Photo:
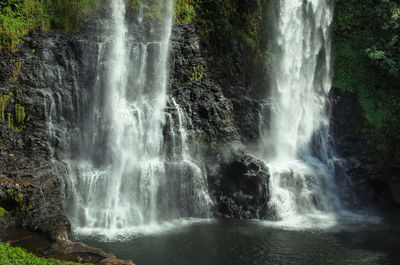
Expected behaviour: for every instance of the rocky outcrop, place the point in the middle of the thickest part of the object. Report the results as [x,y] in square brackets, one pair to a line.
[219,101]
[28,205]
[196,91]
[223,113]
[222,105]
[62,249]
[35,79]
[31,205]
[79,252]
[375,177]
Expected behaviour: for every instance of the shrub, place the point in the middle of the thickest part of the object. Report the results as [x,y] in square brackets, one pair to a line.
[16,255]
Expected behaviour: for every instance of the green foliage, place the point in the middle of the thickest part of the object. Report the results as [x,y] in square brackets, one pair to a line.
[3,103]
[197,73]
[16,196]
[3,212]
[185,11]
[15,72]
[19,198]
[224,23]
[18,17]
[367,62]
[67,14]
[20,113]
[16,255]
[10,192]
[134,4]
[15,121]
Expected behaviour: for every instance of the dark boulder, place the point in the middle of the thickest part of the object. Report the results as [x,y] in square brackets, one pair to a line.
[240,187]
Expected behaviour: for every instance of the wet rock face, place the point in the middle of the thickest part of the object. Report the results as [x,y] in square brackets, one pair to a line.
[214,95]
[240,187]
[346,116]
[223,115]
[377,184]
[196,90]
[376,179]
[27,178]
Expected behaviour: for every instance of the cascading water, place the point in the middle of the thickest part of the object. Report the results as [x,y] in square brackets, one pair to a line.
[296,143]
[130,165]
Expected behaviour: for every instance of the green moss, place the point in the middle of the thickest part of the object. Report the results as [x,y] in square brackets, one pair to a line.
[18,198]
[17,118]
[16,255]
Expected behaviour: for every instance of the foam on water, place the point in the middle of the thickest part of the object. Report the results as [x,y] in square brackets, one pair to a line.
[127,233]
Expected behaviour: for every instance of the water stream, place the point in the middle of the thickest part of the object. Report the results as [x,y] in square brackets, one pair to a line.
[296,143]
[130,167]
[121,144]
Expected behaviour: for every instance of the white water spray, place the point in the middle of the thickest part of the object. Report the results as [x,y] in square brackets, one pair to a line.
[296,144]
[132,168]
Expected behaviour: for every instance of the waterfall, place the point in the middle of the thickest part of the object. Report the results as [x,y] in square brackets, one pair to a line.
[296,143]
[124,155]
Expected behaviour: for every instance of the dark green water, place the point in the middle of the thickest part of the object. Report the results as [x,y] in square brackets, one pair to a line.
[220,243]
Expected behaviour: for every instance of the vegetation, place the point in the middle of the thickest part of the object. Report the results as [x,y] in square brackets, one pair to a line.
[226,21]
[367,62]
[3,212]
[3,103]
[197,73]
[15,72]
[18,17]
[185,11]
[233,31]
[223,21]
[17,118]
[16,255]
